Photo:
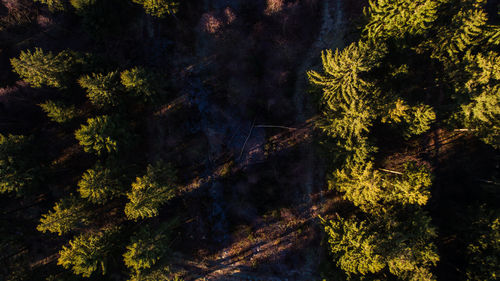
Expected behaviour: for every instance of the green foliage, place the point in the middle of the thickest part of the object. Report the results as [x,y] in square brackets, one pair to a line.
[147,246]
[401,246]
[53,4]
[102,134]
[151,191]
[41,68]
[397,18]
[98,185]
[18,169]
[142,83]
[68,214]
[87,252]
[375,191]
[59,112]
[159,8]
[484,250]
[102,90]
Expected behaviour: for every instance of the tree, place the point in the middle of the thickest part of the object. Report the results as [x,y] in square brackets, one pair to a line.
[398,244]
[98,185]
[103,90]
[142,83]
[375,192]
[151,191]
[68,214]
[88,252]
[18,169]
[59,112]
[483,250]
[41,68]
[102,134]
[159,8]
[147,246]
[347,96]
[53,4]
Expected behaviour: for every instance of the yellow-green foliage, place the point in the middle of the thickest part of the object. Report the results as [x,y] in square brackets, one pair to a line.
[41,68]
[67,215]
[147,246]
[87,252]
[102,134]
[59,112]
[375,192]
[18,169]
[103,90]
[151,191]
[397,18]
[53,4]
[141,83]
[399,244]
[159,8]
[98,185]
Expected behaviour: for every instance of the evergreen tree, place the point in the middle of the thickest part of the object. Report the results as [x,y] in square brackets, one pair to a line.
[159,8]
[151,191]
[53,4]
[142,83]
[102,90]
[87,253]
[147,246]
[98,185]
[41,68]
[401,246]
[102,134]
[59,112]
[68,214]
[18,167]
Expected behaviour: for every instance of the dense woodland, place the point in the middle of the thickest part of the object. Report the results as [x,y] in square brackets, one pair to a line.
[249,140]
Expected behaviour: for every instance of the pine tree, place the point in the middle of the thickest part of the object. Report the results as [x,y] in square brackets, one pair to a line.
[59,112]
[53,4]
[159,8]
[41,68]
[68,214]
[102,134]
[141,83]
[396,19]
[87,253]
[151,191]
[102,90]
[147,246]
[403,248]
[18,167]
[98,185]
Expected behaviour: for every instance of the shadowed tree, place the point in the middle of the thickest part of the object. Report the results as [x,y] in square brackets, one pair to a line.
[87,253]
[68,214]
[142,83]
[151,191]
[159,8]
[59,112]
[102,134]
[40,68]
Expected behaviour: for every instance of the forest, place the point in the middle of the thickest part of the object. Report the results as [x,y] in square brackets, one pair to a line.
[329,140]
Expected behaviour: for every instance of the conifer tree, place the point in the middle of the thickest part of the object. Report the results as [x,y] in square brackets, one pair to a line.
[102,134]
[159,8]
[400,247]
[41,68]
[151,191]
[58,111]
[98,185]
[18,167]
[67,215]
[102,90]
[87,253]
[53,4]
[141,83]
[147,246]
